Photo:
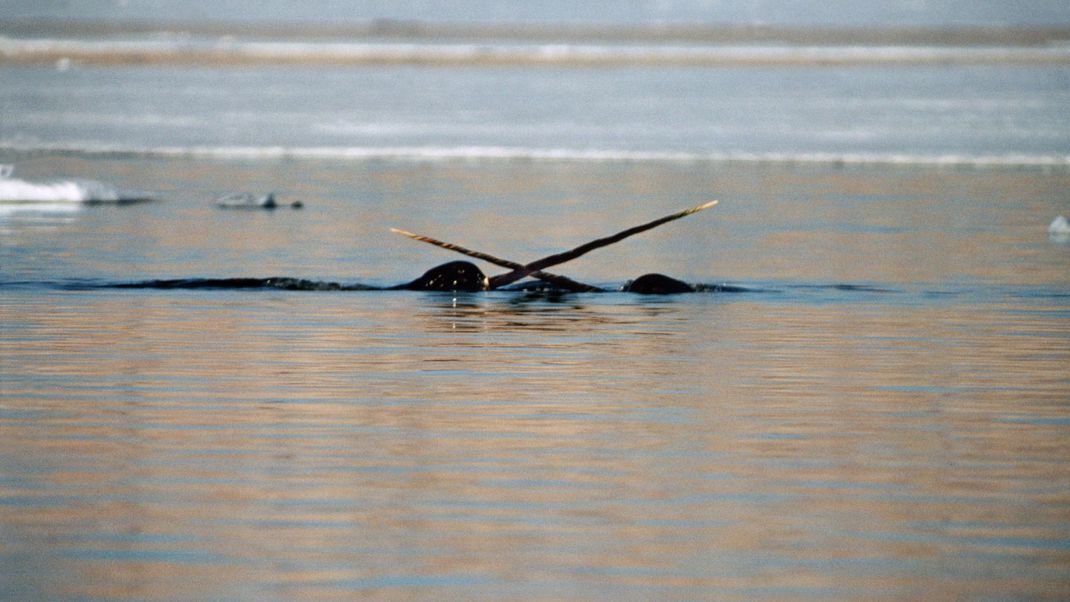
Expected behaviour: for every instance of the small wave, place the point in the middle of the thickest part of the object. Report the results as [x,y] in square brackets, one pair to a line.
[724,288]
[226,50]
[510,153]
[848,287]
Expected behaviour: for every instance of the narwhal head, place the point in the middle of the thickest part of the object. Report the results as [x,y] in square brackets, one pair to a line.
[452,276]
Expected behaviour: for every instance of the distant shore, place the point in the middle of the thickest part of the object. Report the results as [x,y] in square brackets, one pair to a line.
[229,52]
[713,34]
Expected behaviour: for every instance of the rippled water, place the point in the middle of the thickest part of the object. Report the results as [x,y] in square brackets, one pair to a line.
[884,415]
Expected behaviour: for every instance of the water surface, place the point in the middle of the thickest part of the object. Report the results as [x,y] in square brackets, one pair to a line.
[882,416]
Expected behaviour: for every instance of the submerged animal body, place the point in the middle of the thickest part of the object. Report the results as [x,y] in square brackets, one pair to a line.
[657,284]
[459,276]
[464,276]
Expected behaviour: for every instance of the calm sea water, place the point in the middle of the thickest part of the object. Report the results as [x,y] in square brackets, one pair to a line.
[882,413]
[883,416]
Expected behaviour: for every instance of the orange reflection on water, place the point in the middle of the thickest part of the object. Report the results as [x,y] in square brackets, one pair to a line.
[410,444]
[883,416]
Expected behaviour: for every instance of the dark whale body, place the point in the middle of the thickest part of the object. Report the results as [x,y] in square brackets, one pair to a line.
[657,284]
[464,276]
[455,276]
[452,277]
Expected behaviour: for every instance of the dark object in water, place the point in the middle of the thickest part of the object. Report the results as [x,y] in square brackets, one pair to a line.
[460,276]
[657,284]
[280,283]
[546,262]
[559,281]
[455,276]
[536,268]
[534,287]
[464,276]
[245,200]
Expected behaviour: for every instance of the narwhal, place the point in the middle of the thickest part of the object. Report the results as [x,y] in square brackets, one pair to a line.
[464,276]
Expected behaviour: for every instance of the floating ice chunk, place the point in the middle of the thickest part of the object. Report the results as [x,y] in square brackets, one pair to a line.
[14,190]
[38,208]
[1059,229]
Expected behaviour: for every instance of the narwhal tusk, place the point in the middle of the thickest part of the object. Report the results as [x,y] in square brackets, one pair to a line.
[563,282]
[552,260]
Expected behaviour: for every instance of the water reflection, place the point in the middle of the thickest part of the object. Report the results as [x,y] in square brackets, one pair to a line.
[496,445]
